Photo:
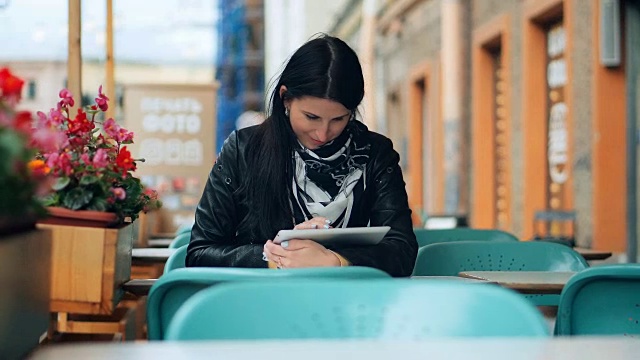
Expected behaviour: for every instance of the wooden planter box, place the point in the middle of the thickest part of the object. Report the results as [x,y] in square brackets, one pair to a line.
[88,267]
[24,291]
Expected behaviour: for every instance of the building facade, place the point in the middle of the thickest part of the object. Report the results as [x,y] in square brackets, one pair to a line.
[520,114]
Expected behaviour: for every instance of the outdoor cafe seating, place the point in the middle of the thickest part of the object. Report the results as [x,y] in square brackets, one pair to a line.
[375,309]
[250,305]
[170,292]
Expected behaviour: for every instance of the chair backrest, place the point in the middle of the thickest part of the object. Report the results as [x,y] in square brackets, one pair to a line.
[603,300]
[175,287]
[180,240]
[432,236]
[185,228]
[176,260]
[448,259]
[399,309]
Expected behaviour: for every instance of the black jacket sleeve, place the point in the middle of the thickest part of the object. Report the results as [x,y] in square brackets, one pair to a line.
[396,253]
[214,239]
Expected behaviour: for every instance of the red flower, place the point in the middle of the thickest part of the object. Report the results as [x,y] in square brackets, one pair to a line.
[124,161]
[23,122]
[90,160]
[80,125]
[10,85]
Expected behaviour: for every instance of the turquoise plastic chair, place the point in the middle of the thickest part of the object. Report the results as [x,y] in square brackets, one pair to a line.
[177,260]
[603,300]
[180,240]
[449,259]
[184,228]
[175,287]
[399,309]
[432,236]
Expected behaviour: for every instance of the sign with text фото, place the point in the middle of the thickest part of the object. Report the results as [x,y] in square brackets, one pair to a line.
[174,127]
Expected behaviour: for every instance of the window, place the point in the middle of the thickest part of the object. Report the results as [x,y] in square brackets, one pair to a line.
[31,90]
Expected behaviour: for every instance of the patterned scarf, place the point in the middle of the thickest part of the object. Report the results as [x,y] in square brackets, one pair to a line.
[326,180]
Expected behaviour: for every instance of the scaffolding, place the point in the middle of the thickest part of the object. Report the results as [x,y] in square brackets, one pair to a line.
[240,63]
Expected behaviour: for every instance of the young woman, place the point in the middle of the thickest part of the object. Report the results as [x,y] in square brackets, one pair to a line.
[309,165]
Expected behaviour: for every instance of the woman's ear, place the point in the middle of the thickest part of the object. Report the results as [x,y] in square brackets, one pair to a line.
[287,102]
[283,89]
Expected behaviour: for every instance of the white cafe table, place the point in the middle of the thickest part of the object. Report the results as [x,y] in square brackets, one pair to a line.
[151,255]
[159,243]
[578,348]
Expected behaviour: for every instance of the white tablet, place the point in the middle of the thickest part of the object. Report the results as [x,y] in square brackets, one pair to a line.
[338,236]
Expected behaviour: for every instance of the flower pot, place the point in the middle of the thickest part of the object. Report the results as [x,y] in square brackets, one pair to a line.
[83,218]
[88,267]
[24,299]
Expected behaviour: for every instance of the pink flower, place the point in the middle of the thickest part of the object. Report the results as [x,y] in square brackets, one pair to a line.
[85,158]
[59,163]
[101,100]
[51,159]
[67,98]
[119,193]
[111,128]
[100,159]
[5,119]
[151,193]
[124,136]
[56,117]
[48,139]
[42,118]
[119,134]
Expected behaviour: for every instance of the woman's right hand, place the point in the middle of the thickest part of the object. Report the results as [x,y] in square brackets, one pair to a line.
[318,222]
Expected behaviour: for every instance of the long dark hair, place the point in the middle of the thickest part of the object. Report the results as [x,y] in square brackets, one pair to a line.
[324,67]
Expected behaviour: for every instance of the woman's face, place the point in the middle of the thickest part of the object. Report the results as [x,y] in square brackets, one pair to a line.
[317,121]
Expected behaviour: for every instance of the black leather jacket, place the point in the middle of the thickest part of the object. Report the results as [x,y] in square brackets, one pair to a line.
[219,239]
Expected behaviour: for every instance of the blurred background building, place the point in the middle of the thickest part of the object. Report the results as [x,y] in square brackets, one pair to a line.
[289,23]
[503,109]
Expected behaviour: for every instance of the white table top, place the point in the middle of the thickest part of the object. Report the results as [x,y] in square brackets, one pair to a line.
[159,243]
[579,348]
[152,254]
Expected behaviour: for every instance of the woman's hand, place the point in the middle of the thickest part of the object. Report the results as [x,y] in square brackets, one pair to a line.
[299,253]
[317,222]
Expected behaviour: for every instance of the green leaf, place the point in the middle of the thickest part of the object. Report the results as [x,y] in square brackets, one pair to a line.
[89,179]
[50,200]
[98,204]
[61,183]
[77,198]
